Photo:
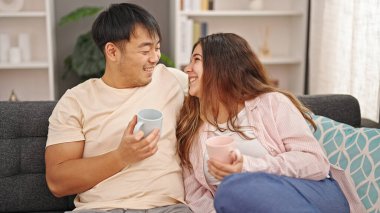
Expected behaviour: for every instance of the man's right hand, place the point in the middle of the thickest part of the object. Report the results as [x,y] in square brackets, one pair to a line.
[67,172]
[134,147]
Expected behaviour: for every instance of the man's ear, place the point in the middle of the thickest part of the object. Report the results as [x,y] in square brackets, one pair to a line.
[111,51]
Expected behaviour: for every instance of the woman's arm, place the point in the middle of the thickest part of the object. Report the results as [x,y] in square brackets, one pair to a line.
[302,157]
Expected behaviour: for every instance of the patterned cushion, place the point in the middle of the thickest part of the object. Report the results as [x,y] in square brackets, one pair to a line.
[357,151]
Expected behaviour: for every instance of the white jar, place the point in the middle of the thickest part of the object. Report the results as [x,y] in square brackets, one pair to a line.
[5,43]
[14,55]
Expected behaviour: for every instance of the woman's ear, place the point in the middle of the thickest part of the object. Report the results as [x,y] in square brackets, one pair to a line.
[111,51]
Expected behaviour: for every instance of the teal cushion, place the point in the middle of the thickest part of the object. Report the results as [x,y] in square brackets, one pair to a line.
[357,151]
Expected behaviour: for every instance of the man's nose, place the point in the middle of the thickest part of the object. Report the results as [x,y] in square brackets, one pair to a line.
[188,68]
[154,57]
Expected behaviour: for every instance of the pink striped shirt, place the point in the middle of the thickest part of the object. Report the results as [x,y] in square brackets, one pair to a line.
[293,151]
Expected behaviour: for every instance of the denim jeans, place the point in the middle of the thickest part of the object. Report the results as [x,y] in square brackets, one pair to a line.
[261,192]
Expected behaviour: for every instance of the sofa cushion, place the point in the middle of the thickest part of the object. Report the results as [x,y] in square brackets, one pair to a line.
[357,151]
[23,131]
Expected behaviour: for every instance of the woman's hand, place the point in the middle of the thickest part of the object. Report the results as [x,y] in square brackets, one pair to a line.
[219,170]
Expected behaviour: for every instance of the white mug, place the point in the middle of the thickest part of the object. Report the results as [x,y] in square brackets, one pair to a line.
[148,120]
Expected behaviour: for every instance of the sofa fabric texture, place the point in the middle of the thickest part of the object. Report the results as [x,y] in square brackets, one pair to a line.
[23,131]
[341,108]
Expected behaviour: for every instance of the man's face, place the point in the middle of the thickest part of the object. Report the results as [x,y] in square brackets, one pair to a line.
[139,57]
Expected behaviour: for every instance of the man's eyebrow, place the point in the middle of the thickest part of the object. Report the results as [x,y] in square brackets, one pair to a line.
[147,44]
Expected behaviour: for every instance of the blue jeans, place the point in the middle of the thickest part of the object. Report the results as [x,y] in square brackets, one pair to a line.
[261,192]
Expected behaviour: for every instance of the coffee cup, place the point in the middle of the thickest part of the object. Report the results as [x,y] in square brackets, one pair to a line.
[222,148]
[148,120]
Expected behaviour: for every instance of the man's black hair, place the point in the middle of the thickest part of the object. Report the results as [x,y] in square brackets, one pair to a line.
[118,22]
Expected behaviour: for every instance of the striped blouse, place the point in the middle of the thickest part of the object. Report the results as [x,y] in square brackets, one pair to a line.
[293,151]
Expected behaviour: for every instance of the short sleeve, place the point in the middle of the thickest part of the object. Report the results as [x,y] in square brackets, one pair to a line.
[65,123]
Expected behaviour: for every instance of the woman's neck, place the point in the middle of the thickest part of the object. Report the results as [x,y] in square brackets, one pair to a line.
[223,113]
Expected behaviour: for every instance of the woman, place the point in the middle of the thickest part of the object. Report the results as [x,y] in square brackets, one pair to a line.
[282,169]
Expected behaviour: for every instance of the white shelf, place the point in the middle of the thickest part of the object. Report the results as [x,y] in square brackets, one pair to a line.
[23,14]
[281,25]
[240,13]
[31,80]
[280,61]
[25,65]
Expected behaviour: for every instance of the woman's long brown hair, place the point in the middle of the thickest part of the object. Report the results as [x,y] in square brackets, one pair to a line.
[232,73]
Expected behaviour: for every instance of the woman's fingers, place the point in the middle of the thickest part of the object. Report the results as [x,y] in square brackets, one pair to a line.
[219,170]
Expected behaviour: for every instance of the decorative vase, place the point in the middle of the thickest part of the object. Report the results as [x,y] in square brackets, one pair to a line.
[24,44]
[265,51]
[13,97]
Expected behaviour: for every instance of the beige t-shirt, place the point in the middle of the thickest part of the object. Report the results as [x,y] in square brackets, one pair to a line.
[99,114]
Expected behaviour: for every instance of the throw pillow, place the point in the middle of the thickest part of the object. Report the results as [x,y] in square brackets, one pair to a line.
[357,151]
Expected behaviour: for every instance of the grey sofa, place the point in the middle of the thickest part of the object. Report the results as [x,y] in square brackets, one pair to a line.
[23,130]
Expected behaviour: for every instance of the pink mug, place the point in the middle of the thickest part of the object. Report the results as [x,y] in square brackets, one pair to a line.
[223,149]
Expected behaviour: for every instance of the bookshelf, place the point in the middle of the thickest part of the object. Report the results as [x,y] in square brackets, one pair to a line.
[282,25]
[32,77]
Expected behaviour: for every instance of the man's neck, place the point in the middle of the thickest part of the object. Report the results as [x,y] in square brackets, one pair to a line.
[117,82]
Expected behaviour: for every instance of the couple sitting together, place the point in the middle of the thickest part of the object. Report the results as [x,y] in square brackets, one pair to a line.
[92,150]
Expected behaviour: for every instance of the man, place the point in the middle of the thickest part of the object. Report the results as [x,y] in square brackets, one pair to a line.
[91,149]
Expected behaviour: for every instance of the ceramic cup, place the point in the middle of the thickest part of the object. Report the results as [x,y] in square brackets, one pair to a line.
[148,120]
[222,148]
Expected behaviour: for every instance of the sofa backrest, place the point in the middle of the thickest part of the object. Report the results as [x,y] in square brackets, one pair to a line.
[342,108]
[23,131]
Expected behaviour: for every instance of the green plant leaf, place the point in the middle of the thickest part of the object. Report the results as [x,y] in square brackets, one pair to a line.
[166,60]
[87,60]
[68,66]
[79,14]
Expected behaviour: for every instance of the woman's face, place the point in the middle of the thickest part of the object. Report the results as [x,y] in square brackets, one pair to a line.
[195,72]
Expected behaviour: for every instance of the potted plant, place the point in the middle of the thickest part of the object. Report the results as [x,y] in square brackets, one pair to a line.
[87,60]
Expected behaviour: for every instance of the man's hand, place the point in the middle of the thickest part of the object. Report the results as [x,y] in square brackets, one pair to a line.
[134,148]
[219,170]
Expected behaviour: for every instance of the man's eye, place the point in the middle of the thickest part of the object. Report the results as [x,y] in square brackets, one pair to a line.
[145,52]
